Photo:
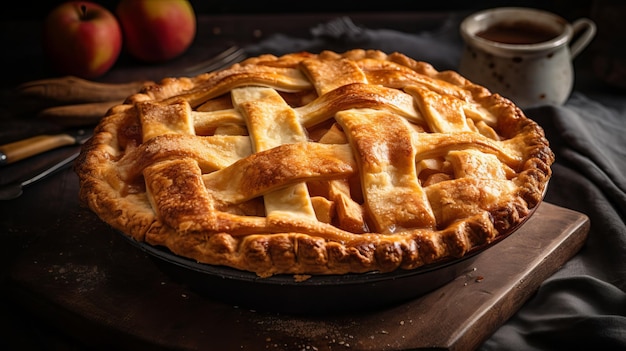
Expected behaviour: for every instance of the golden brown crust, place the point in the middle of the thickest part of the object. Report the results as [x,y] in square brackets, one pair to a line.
[325,163]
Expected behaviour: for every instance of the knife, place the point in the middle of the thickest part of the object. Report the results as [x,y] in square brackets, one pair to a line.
[19,150]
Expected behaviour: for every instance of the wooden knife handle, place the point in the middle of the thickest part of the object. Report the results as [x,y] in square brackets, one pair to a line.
[22,149]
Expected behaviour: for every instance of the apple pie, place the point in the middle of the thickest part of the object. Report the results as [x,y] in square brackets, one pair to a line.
[316,164]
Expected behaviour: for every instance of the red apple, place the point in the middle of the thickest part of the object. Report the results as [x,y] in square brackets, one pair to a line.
[156,31]
[82,38]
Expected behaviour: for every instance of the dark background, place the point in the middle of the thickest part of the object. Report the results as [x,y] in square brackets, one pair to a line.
[15,10]
[20,21]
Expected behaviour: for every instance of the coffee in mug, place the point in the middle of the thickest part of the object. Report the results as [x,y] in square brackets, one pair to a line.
[518,32]
[523,54]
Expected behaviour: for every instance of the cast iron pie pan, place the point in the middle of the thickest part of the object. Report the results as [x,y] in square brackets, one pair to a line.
[324,294]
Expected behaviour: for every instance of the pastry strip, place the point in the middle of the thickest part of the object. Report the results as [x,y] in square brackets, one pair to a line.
[271,122]
[387,167]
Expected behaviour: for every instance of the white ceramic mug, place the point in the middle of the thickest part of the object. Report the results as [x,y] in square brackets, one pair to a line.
[523,54]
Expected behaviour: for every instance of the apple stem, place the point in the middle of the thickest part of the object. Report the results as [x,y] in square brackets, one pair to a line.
[83,9]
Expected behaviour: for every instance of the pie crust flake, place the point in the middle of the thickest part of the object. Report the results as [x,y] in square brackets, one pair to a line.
[316,164]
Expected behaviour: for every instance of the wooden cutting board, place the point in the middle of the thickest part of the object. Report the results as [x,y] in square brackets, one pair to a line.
[98,288]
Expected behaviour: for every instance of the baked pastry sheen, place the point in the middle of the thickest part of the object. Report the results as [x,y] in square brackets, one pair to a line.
[312,164]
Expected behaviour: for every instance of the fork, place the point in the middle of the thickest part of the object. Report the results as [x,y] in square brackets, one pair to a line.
[222,60]
[337,28]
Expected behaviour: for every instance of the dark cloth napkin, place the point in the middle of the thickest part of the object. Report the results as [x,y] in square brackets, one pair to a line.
[583,305]
[440,47]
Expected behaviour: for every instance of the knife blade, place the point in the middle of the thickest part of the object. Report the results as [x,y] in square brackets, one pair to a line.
[14,190]
[21,149]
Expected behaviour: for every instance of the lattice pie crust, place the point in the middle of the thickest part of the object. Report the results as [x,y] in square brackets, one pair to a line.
[312,164]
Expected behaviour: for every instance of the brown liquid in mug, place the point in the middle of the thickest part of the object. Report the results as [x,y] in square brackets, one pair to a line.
[521,32]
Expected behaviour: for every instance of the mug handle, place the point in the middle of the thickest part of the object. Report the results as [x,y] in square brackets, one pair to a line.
[586,30]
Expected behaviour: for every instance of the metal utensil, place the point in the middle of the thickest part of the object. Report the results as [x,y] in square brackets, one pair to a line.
[222,60]
[28,147]
[14,190]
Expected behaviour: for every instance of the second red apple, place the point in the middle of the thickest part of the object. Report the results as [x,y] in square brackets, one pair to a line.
[156,31]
